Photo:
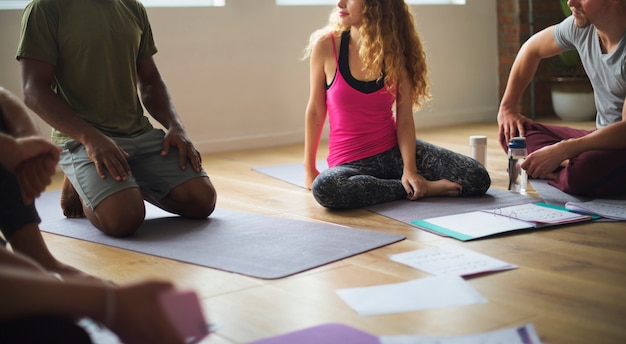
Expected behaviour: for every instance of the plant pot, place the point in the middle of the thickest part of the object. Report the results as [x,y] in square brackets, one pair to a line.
[572,99]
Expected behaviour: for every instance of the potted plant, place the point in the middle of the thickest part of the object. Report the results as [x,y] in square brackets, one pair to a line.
[572,93]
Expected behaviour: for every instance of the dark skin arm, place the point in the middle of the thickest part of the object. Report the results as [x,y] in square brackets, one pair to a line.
[33,157]
[132,311]
[156,99]
[37,77]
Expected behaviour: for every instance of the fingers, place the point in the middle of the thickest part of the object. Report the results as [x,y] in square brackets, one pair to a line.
[511,132]
[117,168]
[182,157]
[521,130]
[502,139]
[107,156]
[194,158]
[310,178]
[34,175]
[186,151]
[413,192]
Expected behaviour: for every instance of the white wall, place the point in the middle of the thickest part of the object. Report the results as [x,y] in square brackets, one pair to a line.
[237,80]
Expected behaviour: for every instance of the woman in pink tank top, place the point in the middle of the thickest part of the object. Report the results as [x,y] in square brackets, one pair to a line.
[367,74]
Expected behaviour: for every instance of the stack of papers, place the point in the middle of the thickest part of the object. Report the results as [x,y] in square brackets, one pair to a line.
[482,223]
[608,208]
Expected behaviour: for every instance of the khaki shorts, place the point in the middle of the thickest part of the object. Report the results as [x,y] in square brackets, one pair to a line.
[151,172]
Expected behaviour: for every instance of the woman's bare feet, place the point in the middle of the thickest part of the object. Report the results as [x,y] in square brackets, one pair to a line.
[70,201]
[443,187]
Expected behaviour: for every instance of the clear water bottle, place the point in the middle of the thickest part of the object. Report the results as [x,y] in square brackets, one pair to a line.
[518,179]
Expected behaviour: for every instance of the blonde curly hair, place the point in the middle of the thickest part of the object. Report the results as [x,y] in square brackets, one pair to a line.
[389,42]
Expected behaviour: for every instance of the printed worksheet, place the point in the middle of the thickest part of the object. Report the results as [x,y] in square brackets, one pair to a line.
[451,260]
[539,213]
[608,208]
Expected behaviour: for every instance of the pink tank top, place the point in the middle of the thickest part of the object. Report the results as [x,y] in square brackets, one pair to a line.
[361,124]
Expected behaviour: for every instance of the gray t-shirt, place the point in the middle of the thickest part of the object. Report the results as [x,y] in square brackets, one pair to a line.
[607,72]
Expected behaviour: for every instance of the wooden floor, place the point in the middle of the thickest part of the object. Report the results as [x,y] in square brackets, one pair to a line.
[570,284]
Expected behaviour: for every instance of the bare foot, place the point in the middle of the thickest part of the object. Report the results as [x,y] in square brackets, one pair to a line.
[443,187]
[70,201]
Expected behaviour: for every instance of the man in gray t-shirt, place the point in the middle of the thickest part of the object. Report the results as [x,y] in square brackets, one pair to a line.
[581,162]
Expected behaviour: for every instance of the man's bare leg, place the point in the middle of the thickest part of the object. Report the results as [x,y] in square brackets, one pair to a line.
[196,199]
[120,214]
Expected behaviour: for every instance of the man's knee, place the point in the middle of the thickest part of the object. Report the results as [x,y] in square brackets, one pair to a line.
[196,198]
[203,203]
[119,215]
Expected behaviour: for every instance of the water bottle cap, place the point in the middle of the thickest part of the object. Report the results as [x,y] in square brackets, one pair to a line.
[478,140]
[517,142]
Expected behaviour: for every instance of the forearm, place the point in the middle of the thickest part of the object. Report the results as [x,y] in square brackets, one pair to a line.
[523,69]
[18,121]
[27,293]
[406,144]
[7,146]
[538,47]
[405,128]
[157,100]
[609,137]
[313,132]
[58,114]
[17,151]
[16,260]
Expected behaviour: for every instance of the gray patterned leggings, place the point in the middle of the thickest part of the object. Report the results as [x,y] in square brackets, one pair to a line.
[377,179]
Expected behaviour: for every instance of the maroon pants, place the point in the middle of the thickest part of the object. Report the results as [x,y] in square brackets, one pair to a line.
[596,173]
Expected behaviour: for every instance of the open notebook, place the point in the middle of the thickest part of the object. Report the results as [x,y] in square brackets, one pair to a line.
[483,223]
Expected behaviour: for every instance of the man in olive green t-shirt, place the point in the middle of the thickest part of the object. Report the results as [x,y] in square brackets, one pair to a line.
[87,68]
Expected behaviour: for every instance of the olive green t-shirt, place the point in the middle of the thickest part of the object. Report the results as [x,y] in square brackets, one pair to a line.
[94,46]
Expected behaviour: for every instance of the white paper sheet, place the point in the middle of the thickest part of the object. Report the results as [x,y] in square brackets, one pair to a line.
[451,260]
[539,213]
[473,225]
[421,294]
[518,335]
[608,208]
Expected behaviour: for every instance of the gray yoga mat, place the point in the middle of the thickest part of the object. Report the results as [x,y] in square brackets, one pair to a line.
[551,195]
[290,173]
[249,244]
[407,211]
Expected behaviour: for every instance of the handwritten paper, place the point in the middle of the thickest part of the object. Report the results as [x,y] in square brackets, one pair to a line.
[518,335]
[450,260]
[421,294]
[482,223]
[610,209]
[539,213]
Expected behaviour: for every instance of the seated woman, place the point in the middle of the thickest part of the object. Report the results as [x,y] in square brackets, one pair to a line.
[368,59]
